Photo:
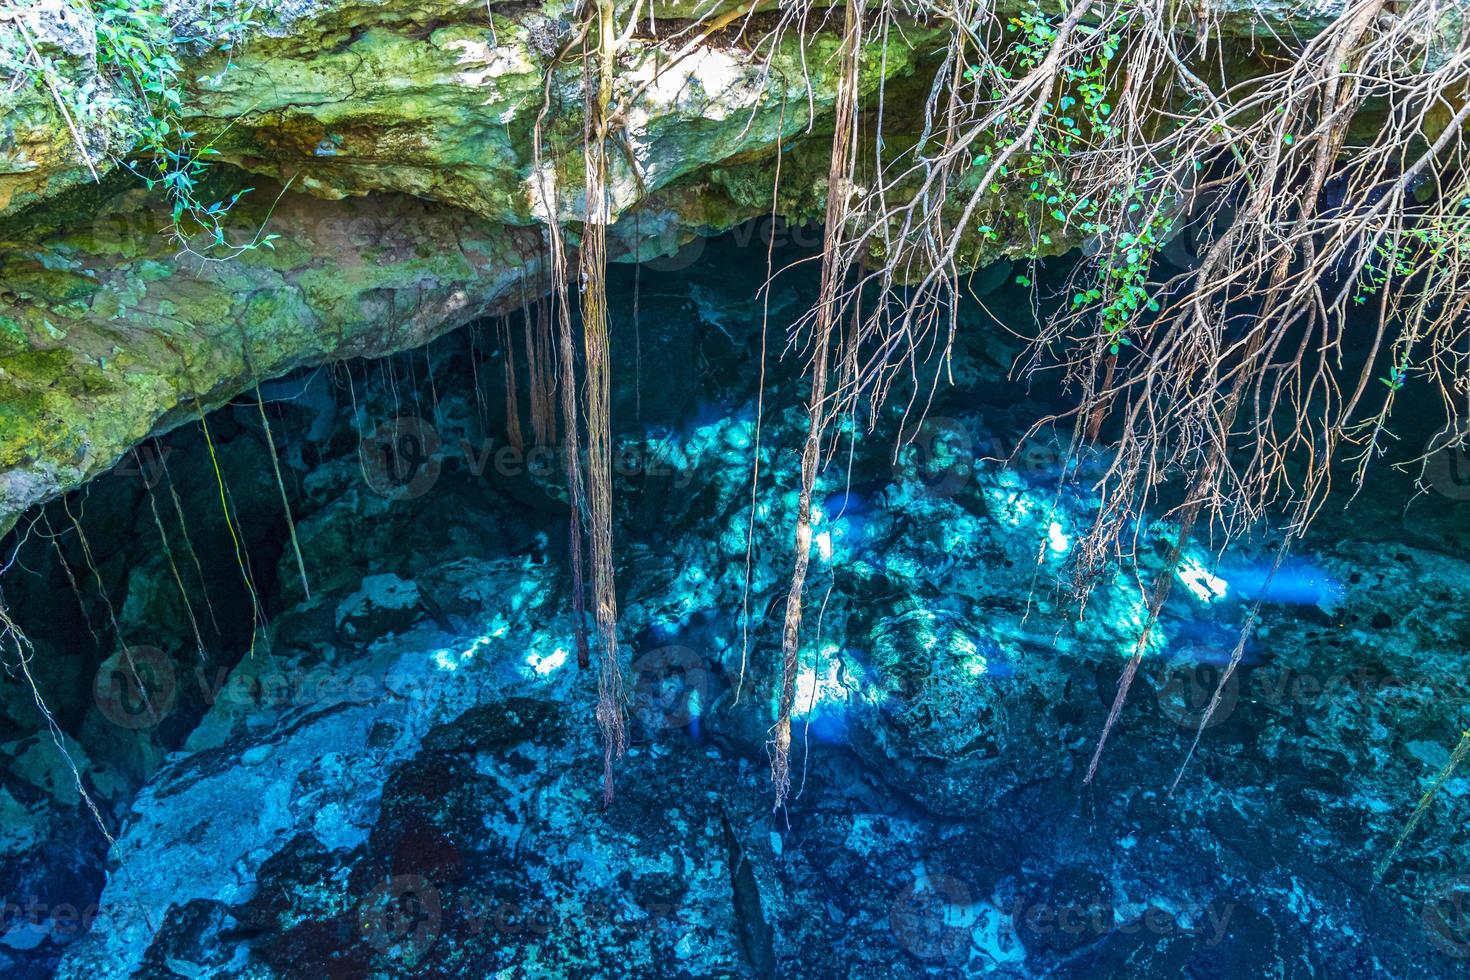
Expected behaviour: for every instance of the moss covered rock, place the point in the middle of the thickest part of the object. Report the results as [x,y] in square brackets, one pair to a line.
[389,149]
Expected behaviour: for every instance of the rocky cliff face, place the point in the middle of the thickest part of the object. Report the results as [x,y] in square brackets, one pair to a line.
[389,145]
[390,149]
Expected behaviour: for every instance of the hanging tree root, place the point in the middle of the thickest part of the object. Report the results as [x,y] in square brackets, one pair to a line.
[270,443]
[512,395]
[256,619]
[1440,778]
[24,651]
[168,554]
[541,360]
[1230,378]
[593,256]
[547,187]
[117,632]
[1232,374]
[173,493]
[818,407]
[71,579]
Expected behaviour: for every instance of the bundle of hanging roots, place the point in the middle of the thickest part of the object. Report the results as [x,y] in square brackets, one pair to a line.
[1324,175]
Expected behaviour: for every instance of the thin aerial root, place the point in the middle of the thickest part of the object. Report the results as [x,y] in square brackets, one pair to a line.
[541,366]
[433,386]
[567,362]
[24,652]
[265,626]
[1236,655]
[755,450]
[184,532]
[512,394]
[475,376]
[117,632]
[168,554]
[92,567]
[1162,588]
[593,255]
[1440,779]
[70,578]
[839,180]
[224,506]
[270,443]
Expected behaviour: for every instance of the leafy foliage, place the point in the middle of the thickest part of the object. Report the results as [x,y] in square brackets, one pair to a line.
[1076,121]
[137,48]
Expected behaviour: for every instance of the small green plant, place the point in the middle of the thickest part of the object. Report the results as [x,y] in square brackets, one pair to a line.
[1397,374]
[137,51]
[137,45]
[1079,117]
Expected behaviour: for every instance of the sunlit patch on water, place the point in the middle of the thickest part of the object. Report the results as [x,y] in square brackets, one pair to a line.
[544,664]
[1296,583]
[1202,583]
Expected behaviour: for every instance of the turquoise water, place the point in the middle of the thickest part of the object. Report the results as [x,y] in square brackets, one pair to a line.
[403,776]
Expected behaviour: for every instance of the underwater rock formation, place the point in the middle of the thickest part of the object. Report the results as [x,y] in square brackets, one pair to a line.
[406,781]
[397,773]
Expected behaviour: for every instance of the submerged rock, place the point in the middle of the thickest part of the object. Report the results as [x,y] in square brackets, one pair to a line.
[402,775]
